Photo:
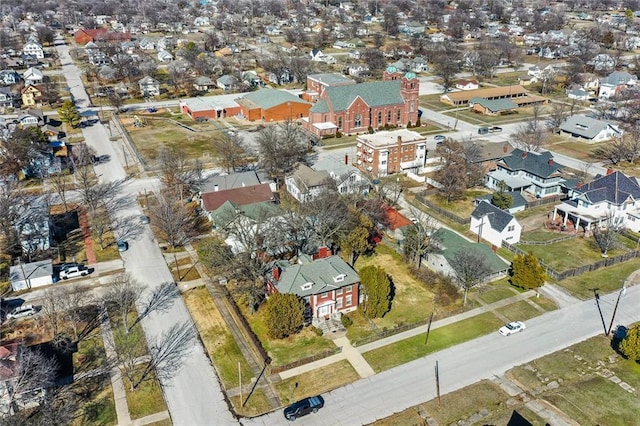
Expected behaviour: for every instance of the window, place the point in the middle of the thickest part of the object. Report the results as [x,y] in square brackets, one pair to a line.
[511,228]
[339,291]
[348,300]
[358,121]
[324,295]
[411,107]
[379,117]
[339,122]
[389,116]
[348,289]
[339,303]
[399,115]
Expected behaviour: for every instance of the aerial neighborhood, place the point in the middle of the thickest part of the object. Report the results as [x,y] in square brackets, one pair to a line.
[224,212]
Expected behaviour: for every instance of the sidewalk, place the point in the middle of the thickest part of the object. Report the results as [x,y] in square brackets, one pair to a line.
[117,384]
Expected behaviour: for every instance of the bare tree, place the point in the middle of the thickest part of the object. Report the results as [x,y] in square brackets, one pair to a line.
[419,239]
[173,221]
[281,146]
[606,236]
[328,216]
[179,174]
[229,150]
[557,116]
[446,66]
[532,135]
[160,300]
[52,310]
[470,268]
[60,184]
[613,152]
[124,292]
[77,310]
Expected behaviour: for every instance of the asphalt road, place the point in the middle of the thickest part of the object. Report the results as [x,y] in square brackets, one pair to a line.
[395,390]
[194,396]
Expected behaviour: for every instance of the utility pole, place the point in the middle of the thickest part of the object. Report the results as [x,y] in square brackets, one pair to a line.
[426,339]
[438,383]
[622,292]
[597,297]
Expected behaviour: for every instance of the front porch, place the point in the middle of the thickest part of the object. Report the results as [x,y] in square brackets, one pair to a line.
[331,323]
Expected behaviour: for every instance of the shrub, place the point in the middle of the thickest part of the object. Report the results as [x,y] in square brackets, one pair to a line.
[284,315]
[317,331]
[370,130]
[418,123]
[338,134]
[408,124]
[346,321]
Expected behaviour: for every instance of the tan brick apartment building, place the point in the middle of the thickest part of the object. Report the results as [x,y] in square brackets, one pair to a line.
[349,107]
[384,153]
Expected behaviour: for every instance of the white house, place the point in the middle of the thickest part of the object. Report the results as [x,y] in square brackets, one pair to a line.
[464,84]
[615,82]
[149,86]
[164,56]
[305,183]
[32,76]
[29,275]
[348,179]
[614,197]
[33,48]
[494,225]
[589,129]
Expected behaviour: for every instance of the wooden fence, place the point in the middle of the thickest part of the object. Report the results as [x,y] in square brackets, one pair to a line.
[546,200]
[443,212]
[546,243]
[280,368]
[559,276]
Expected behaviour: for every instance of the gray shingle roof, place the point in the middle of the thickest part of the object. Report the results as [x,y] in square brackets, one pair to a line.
[539,164]
[451,243]
[374,94]
[499,219]
[615,188]
[321,274]
[494,105]
[234,180]
[518,199]
[309,177]
[618,77]
[585,127]
[331,78]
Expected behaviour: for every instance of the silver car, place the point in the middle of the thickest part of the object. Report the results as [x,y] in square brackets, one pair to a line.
[21,312]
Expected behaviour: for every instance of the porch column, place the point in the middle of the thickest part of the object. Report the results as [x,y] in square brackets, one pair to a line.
[555,212]
[566,216]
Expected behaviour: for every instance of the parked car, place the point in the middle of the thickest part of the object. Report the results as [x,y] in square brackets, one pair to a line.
[22,311]
[122,245]
[303,407]
[495,129]
[73,272]
[483,130]
[152,109]
[144,220]
[512,327]
[439,138]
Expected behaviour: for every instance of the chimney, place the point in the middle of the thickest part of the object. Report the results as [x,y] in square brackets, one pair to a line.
[323,252]
[399,140]
[346,159]
[215,187]
[609,171]
[505,148]
[276,273]
[550,161]
[524,154]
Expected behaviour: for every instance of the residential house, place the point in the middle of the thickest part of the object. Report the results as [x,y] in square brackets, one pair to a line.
[252,79]
[357,70]
[166,43]
[149,87]
[85,35]
[306,184]
[272,105]
[535,173]
[33,228]
[33,48]
[202,21]
[328,285]
[589,129]
[164,56]
[437,37]
[16,393]
[494,225]
[466,84]
[347,178]
[203,83]
[7,98]
[602,62]
[31,95]
[354,108]
[576,92]
[614,83]
[216,183]
[147,44]
[25,276]
[418,64]
[227,82]
[31,117]
[449,244]
[388,152]
[412,28]
[211,201]
[610,199]
[33,76]
[9,77]
[590,82]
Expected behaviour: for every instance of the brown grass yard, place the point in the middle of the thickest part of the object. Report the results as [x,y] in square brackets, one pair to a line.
[147,399]
[608,279]
[462,207]
[574,148]
[256,405]
[316,382]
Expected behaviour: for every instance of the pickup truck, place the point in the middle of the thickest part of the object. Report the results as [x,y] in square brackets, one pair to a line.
[73,272]
[303,407]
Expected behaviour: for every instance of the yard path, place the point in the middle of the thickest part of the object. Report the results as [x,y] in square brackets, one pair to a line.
[559,295]
[354,357]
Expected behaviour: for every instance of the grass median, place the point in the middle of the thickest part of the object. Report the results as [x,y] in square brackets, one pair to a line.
[441,338]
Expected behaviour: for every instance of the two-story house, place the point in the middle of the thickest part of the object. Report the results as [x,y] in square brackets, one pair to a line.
[347,178]
[33,48]
[149,87]
[612,197]
[31,94]
[388,152]
[495,225]
[523,171]
[305,183]
[328,285]
[614,83]
[354,108]
[33,76]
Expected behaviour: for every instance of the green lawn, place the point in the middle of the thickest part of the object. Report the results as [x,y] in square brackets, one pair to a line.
[568,254]
[583,394]
[519,311]
[496,294]
[539,235]
[256,405]
[218,340]
[608,279]
[145,400]
[441,338]
[462,207]
[316,382]
[293,348]
[97,406]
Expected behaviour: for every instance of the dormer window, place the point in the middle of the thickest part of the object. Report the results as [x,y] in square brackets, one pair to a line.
[339,278]
[306,286]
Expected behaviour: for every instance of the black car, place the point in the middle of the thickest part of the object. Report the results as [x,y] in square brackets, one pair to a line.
[303,407]
[495,129]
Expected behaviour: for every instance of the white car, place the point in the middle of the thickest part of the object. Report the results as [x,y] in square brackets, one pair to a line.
[512,327]
[22,311]
[73,272]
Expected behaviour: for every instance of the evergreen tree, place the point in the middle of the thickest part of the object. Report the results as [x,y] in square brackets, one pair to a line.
[526,272]
[377,288]
[69,114]
[284,315]
[630,345]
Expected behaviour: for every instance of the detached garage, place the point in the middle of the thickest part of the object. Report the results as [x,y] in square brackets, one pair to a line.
[25,276]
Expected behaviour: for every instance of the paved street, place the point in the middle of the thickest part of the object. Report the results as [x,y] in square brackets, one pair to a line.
[395,390]
[194,396]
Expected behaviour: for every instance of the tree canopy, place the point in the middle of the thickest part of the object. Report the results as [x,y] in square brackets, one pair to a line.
[378,289]
[526,272]
[284,315]
[630,345]
[69,113]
